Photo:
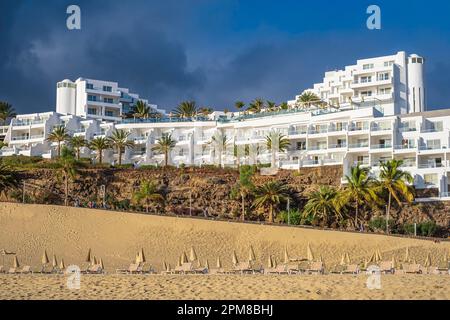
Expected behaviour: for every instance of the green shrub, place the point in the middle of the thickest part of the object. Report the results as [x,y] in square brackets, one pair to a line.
[148,167]
[408,228]
[427,229]
[379,224]
[293,216]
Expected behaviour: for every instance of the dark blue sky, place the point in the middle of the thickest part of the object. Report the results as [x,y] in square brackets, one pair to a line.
[212,51]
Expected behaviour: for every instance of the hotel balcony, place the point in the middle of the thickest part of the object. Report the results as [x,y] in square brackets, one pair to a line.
[23,123]
[338,146]
[358,145]
[407,129]
[27,139]
[140,140]
[381,147]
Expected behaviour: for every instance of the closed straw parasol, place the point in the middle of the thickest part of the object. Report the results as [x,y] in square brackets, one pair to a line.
[44,259]
[142,256]
[309,253]
[101,264]
[137,259]
[219,263]
[286,255]
[89,257]
[94,261]
[394,262]
[54,261]
[372,257]
[343,260]
[427,262]
[164,265]
[347,258]
[235,259]
[62,266]
[184,258]
[16,262]
[320,258]
[269,262]
[251,254]
[207,264]
[378,256]
[193,255]
[407,257]
[179,262]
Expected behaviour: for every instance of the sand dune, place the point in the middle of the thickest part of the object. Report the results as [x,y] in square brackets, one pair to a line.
[116,237]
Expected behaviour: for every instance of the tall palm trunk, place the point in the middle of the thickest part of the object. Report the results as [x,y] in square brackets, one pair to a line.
[273,159]
[66,185]
[59,149]
[78,153]
[166,158]
[356,214]
[243,206]
[120,156]
[271,213]
[100,156]
[388,212]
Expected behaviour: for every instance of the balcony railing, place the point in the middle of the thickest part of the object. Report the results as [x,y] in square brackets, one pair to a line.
[409,164]
[317,148]
[381,146]
[404,147]
[407,129]
[428,130]
[376,128]
[431,147]
[359,145]
[430,165]
[337,146]
[318,131]
[40,136]
[334,129]
[19,123]
[358,128]
[296,132]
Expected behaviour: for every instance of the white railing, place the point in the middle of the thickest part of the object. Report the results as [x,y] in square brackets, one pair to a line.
[381,146]
[359,145]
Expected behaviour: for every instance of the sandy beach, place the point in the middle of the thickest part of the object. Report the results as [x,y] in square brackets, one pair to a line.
[225,287]
[116,238]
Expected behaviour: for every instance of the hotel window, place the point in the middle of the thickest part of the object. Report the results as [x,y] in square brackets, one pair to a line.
[92,98]
[107,88]
[366,79]
[89,86]
[388,63]
[430,179]
[366,93]
[368,66]
[433,144]
[408,143]
[92,111]
[383,76]
[109,113]
[301,145]
[108,100]
[437,126]
[385,91]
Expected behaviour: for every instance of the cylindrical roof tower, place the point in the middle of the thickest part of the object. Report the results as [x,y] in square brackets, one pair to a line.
[416,84]
[66,97]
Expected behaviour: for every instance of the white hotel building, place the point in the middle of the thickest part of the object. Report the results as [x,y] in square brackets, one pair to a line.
[376,112]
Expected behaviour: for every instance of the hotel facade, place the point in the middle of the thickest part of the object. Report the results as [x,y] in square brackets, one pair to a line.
[368,113]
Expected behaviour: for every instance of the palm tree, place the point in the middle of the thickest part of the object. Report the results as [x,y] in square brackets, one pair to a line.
[245,186]
[8,178]
[276,142]
[239,105]
[59,135]
[164,146]
[141,110]
[77,143]
[67,169]
[270,194]
[205,111]
[147,193]
[323,203]
[220,143]
[396,182]
[256,106]
[308,98]
[119,141]
[6,111]
[284,106]
[271,106]
[186,109]
[360,188]
[99,144]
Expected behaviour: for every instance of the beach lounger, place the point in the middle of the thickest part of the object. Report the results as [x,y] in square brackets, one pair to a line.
[315,267]
[185,268]
[337,269]
[412,268]
[95,269]
[245,267]
[13,271]
[386,267]
[443,268]
[293,268]
[26,270]
[132,269]
[217,271]
[280,269]
[351,269]
[2,270]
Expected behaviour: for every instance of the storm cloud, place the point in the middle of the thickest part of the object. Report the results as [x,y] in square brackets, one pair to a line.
[215,52]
